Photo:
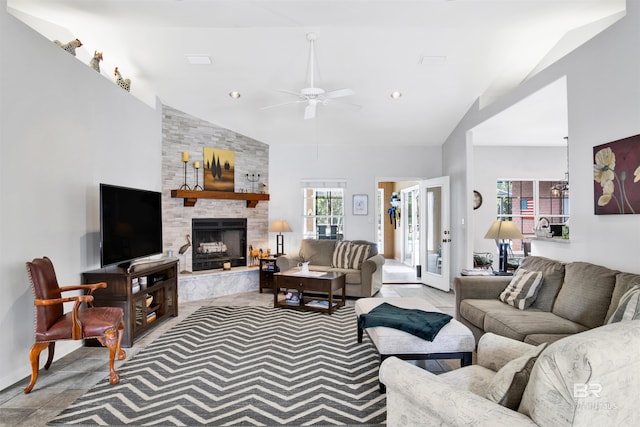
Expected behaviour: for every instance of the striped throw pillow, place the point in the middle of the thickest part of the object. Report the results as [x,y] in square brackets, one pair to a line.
[523,288]
[341,255]
[358,254]
[628,307]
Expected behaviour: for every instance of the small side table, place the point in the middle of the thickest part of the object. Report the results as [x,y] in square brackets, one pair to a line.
[267,269]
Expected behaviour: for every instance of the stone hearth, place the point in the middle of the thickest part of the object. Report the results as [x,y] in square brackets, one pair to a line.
[197,286]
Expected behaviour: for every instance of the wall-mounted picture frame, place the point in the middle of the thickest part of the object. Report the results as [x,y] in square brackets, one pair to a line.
[360,204]
[616,178]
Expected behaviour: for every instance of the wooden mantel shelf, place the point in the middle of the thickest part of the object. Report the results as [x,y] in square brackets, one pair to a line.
[191,196]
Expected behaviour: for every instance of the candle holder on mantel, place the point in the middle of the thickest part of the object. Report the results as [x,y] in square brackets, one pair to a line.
[253,178]
[196,168]
[185,160]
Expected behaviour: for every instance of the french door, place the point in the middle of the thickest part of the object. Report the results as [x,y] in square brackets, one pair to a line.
[410,226]
[435,235]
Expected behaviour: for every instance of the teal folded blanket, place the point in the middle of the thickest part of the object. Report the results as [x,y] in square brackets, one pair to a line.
[423,324]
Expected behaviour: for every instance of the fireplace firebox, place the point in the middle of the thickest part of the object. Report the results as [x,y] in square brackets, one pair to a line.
[217,241]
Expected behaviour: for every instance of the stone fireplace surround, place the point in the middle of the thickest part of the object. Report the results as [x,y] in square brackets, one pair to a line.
[183,132]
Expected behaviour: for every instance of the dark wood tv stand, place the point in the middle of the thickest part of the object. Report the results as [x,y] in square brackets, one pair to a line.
[162,285]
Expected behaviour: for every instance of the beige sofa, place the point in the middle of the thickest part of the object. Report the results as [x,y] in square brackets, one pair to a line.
[361,282]
[573,297]
[587,379]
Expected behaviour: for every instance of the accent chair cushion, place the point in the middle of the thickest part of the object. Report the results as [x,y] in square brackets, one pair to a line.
[628,307]
[507,386]
[523,289]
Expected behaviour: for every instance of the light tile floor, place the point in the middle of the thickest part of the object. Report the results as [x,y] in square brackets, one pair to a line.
[397,272]
[71,376]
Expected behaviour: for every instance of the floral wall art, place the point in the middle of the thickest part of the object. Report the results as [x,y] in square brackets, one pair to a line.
[616,175]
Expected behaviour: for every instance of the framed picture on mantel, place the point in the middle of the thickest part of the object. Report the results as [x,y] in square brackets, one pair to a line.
[360,204]
[218,169]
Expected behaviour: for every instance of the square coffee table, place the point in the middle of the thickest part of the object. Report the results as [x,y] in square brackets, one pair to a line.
[326,284]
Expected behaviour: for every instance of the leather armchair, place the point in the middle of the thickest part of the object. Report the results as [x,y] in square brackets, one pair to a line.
[52,324]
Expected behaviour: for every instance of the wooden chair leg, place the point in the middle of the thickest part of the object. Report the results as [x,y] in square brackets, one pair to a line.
[52,349]
[112,341]
[34,358]
[121,353]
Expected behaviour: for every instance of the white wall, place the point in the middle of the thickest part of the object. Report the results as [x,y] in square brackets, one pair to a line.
[65,129]
[360,166]
[603,105]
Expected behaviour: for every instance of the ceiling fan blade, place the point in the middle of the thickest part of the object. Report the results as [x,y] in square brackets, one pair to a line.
[289,92]
[342,104]
[280,104]
[338,93]
[310,110]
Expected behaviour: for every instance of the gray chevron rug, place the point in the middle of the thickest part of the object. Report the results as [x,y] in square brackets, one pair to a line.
[233,366]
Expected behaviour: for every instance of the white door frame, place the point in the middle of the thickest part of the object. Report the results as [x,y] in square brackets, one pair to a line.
[437,277]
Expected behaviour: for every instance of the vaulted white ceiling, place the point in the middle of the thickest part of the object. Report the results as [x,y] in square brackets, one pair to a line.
[441,55]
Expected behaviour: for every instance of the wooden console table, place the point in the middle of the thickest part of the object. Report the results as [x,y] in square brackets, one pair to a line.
[146,308]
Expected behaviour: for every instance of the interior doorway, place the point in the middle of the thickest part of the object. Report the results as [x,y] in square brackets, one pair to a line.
[391,218]
[411,226]
[397,223]
[413,223]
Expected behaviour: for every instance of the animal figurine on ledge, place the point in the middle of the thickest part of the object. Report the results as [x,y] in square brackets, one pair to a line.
[123,83]
[69,47]
[95,61]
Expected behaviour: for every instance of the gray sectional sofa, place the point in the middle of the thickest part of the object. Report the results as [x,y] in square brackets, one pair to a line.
[573,297]
[364,281]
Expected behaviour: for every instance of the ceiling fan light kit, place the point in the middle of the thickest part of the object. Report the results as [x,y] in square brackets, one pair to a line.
[313,95]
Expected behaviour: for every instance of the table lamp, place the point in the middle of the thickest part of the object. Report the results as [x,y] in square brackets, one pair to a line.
[279,226]
[501,231]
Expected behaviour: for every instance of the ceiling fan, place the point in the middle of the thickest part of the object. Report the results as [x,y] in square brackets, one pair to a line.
[312,95]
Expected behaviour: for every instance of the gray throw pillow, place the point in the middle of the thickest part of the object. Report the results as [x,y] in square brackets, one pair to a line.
[628,307]
[341,255]
[523,288]
[507,386]
[358,254]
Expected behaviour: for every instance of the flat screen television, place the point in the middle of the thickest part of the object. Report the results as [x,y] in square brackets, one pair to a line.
[130,224]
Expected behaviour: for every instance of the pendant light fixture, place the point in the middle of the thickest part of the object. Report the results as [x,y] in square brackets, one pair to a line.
[562,188]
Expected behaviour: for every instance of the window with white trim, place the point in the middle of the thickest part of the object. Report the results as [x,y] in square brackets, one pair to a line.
[323,204]
[527,202]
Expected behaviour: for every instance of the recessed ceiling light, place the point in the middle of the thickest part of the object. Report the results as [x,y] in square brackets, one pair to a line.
[198,60]
[396,94]
[234,94]
[432,60]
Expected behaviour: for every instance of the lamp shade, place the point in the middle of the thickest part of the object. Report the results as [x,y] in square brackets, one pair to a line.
[279,226]
[503,230]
